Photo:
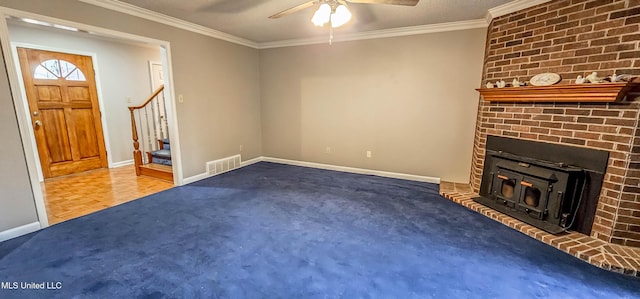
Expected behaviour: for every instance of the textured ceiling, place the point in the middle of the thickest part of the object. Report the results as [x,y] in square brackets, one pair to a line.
[248,19]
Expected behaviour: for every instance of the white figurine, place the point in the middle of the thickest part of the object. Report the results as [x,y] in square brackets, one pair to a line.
[489,85]
[580,80]
[593,78]
[501,84]
[619,78]
[515,83]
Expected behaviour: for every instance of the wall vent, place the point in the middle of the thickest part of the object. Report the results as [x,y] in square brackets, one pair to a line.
[223,165]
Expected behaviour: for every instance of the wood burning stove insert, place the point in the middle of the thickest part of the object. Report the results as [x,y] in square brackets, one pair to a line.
[537,183]
[541,193]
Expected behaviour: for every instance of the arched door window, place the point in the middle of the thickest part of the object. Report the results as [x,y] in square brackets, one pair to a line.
[54,69]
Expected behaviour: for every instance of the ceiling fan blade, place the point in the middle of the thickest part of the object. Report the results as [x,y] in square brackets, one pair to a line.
[391,2]
[294,9]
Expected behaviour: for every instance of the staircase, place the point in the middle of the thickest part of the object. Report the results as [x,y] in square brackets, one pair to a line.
[150,120]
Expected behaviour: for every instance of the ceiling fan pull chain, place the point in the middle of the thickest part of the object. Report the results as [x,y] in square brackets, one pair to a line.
[330,35]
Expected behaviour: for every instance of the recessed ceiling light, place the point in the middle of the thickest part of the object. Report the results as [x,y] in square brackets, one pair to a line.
[65,27]
[32,21]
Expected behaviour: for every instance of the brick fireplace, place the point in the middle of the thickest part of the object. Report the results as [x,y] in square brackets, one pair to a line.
[571,38]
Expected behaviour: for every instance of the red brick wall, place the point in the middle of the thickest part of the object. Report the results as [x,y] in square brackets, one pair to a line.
[571,38]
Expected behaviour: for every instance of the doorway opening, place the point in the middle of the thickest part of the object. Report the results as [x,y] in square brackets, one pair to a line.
[150,132]
[74,142]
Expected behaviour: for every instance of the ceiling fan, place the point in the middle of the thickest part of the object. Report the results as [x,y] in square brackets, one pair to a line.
[336,11]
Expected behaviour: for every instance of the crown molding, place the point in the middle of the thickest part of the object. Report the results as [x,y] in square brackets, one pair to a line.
[394,32]
[136,11]
[512,6]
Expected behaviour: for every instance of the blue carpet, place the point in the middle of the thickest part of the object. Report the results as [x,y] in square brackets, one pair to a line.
[277,231]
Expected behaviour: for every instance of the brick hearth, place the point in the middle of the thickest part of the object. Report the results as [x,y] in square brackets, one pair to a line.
[613,257]
[573,38]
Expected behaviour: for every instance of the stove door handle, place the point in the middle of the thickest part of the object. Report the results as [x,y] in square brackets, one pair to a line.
[526,184]
[491,191]
[560,203]
[503,177]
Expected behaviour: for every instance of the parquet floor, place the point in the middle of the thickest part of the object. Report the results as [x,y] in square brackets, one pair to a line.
[80,194]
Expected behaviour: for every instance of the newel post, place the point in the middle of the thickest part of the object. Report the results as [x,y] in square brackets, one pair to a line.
[137,155]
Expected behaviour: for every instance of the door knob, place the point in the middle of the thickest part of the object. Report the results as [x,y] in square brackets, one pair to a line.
[38,123]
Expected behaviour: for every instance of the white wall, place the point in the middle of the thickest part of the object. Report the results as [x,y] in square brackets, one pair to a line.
[123,71]
[410,100]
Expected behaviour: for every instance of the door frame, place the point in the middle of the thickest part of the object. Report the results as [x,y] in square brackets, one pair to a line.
[103,118]
[23,116]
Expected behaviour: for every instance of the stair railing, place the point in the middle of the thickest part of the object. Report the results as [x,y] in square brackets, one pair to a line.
[151,119]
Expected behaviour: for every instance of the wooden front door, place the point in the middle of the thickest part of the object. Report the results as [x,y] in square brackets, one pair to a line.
[65,114]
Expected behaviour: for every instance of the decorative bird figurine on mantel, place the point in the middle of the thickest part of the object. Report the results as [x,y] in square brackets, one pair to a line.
[580,80]
[516,83]
[620,78]
[593,78]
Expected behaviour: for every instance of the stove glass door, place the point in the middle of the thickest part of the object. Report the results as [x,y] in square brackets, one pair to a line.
[533,197]
[506,187]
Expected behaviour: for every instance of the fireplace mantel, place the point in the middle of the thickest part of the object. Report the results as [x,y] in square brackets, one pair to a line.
[594,93]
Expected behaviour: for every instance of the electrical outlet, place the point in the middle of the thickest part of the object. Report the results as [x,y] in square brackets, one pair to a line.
[368,154]
[327,150]
[180,99]
[129,100]
[241,147]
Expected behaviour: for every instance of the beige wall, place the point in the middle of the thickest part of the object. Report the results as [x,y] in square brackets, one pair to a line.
[123,71]
[17,206]
[219,81]
[409,100]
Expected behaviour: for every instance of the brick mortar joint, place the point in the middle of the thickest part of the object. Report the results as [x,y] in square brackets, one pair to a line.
[627,164]
[477,136]
[476,142]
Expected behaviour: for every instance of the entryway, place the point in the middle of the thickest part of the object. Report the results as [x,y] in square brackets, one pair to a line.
[73,110]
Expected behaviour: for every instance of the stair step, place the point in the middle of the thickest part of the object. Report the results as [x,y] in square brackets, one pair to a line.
[163,154]
[165,143]
[162,161]
[159,171]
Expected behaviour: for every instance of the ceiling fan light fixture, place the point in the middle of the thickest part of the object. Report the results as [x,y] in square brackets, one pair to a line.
[322,15]
[341,16]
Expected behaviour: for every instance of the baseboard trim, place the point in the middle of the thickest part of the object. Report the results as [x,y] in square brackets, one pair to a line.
[19,231]
[251,161]
[395,175]
[121,163]
[204,175]
[387,174]
[194,178]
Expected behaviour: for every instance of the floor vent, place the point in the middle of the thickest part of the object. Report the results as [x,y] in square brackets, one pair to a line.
[223,165]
